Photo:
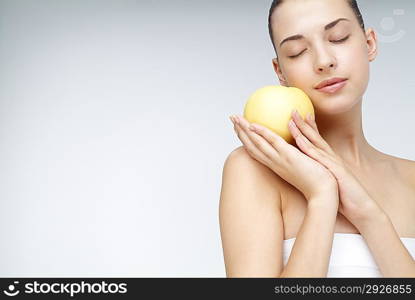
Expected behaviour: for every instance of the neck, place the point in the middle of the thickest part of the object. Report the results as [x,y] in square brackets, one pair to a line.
[344,133]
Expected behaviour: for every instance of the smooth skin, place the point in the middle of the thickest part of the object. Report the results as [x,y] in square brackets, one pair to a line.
[251,210]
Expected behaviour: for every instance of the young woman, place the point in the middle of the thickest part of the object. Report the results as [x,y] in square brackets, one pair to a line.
[333,205]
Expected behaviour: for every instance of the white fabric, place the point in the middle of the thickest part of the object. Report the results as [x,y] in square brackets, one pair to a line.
[350,255]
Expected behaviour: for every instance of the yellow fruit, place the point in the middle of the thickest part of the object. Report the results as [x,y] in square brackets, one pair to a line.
[271,106]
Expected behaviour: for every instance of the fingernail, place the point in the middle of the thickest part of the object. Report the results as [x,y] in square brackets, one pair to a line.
[295,114]
[236,118]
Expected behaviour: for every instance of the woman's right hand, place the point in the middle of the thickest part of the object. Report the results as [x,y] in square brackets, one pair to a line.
[306,174]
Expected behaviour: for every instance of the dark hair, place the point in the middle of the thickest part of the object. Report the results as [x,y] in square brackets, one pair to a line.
[352,3]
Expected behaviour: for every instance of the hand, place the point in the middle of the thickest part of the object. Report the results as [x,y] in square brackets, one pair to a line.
[355,202]
[270,149]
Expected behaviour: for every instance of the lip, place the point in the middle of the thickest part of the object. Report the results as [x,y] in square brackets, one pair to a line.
[329,81]
[334,87]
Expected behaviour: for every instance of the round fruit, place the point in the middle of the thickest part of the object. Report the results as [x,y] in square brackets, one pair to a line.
[271,106]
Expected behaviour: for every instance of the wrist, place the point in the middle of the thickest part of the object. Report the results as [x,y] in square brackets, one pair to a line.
[327,200]
[327,189]
[372,215]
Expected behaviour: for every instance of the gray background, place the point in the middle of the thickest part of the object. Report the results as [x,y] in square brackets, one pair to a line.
[114,126]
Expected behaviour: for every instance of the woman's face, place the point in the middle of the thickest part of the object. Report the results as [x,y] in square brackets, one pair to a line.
[340,50]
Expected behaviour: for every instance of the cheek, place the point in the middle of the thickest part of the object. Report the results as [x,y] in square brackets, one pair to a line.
[296,74]
[359,68]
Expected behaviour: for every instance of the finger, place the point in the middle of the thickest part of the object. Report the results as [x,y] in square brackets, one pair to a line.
[297,135]
[264,139]
[259,142]
[250,146]
[310,119]
[300,138]
[311,150]
[276,141]
[310,133]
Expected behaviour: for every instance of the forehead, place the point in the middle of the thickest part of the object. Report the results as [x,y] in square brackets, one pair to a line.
[307,16]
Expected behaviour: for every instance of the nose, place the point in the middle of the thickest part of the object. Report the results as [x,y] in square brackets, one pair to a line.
[325,67]
[325,61]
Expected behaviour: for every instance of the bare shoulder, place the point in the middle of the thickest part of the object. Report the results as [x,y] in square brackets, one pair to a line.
[405,168]
[240,160]
[241,167]
[250,218]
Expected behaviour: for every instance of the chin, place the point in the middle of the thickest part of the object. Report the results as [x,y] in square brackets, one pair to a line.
[334,105]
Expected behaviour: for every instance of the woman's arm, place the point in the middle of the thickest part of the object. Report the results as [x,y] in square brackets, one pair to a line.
[310,255]
[251,225]
[252,228]
[390,254]
[358,206]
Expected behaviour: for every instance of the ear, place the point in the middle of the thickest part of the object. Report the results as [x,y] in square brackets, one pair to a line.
[372,45]
[278,71]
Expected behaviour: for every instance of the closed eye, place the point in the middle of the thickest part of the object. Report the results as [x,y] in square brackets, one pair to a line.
[294,56]
[336,42]
[342,40]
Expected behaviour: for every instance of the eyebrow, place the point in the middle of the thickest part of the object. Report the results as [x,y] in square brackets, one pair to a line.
[327,27]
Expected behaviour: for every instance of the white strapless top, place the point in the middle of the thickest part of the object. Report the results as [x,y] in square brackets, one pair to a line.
[350,255]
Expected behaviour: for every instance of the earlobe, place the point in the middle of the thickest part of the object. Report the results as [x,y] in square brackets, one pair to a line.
[283,83]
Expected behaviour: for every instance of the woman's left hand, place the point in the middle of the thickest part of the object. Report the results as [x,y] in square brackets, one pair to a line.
[355,202]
